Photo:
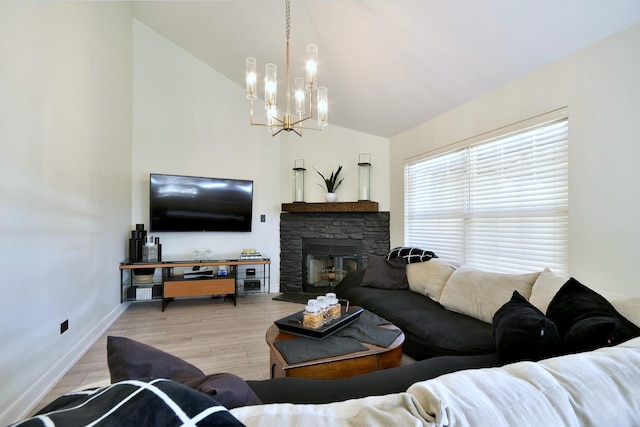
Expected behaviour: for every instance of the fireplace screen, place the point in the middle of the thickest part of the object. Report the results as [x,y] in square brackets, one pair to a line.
[327,261]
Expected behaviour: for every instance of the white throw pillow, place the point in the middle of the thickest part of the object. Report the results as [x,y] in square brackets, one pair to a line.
[429,277]
[545,288]
[480,294]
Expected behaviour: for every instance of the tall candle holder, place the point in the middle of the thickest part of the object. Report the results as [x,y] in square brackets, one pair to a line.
[298,181]
[364,176]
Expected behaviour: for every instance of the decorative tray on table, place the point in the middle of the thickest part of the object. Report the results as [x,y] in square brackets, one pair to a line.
[292,324]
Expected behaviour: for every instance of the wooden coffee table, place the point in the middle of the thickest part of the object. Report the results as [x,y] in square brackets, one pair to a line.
[345,365]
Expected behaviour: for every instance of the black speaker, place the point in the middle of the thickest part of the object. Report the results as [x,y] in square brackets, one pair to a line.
[135,250]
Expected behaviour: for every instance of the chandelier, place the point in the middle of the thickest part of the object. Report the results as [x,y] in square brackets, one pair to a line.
[290,120]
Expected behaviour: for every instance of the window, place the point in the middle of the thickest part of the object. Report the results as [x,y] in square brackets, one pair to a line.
[498,203]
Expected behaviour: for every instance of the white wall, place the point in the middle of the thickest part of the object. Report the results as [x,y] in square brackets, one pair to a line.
[327,150]
[602,87]
[65,192]
[191,120]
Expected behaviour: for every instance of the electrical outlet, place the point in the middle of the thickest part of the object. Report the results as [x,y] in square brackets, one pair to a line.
[64,326]
[263,218]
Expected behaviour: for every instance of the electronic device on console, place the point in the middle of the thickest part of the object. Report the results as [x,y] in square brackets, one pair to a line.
[198,271]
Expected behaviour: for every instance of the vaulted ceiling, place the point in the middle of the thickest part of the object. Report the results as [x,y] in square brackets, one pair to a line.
[391,64]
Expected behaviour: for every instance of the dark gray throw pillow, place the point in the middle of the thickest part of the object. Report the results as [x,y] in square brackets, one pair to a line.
[522,332]
[586,320]
[385,274]
[129,359]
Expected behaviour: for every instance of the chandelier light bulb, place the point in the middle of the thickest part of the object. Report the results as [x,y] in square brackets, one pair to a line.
[270,85]
[272,117]
[299,96]
[312,66]
[323,107]
[251,78]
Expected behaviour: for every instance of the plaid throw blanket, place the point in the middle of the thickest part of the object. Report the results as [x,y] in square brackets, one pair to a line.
[152,402]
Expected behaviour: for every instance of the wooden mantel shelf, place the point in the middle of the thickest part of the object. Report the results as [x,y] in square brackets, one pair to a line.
[360,206]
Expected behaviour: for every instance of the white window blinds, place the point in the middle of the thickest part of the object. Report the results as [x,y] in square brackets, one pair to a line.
[501,204]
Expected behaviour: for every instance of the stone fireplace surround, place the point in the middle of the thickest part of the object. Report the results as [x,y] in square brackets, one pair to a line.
[371,228]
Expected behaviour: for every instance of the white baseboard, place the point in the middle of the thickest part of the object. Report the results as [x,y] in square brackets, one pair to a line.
[26,402]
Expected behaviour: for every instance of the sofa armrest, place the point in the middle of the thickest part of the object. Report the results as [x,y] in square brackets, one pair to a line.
[386,381]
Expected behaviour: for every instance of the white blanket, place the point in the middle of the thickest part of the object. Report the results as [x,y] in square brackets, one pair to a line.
[392,410]
[598,388]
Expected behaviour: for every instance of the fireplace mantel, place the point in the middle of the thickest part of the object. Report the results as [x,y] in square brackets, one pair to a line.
[359,206]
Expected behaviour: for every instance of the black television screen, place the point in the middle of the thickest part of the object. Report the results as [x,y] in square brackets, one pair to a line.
[189,203]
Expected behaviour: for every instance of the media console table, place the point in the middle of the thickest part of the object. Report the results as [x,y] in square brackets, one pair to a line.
[172,283]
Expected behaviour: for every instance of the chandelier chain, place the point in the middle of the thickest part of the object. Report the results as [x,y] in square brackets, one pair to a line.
[288,14]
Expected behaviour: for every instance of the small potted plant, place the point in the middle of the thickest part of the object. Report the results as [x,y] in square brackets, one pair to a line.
[331,184]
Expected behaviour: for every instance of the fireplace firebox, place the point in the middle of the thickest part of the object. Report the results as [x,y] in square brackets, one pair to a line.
[371,229]
[327,261]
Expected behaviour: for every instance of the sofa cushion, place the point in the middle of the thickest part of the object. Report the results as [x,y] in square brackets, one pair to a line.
[573,304]
[597,388]
[429,278]
[545,288]
[385,274]
[129,359]
[522,331]
[411,255]
[480,294]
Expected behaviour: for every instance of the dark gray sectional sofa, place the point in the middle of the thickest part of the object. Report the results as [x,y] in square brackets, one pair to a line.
[448,321]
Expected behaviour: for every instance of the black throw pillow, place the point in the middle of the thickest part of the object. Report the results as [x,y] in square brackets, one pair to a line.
[522,332]
[586,320]
[590,333]
[411,255]
[385,274]
[145,402]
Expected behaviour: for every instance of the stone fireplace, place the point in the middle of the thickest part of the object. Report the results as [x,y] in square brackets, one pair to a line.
[337,233]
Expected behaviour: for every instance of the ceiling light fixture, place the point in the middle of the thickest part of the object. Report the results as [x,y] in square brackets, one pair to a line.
[289,121]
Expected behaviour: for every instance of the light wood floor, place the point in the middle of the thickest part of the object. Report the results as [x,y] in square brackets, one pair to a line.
[212,334]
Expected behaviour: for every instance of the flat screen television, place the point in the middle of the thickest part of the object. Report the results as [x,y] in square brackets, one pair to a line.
[190,203]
